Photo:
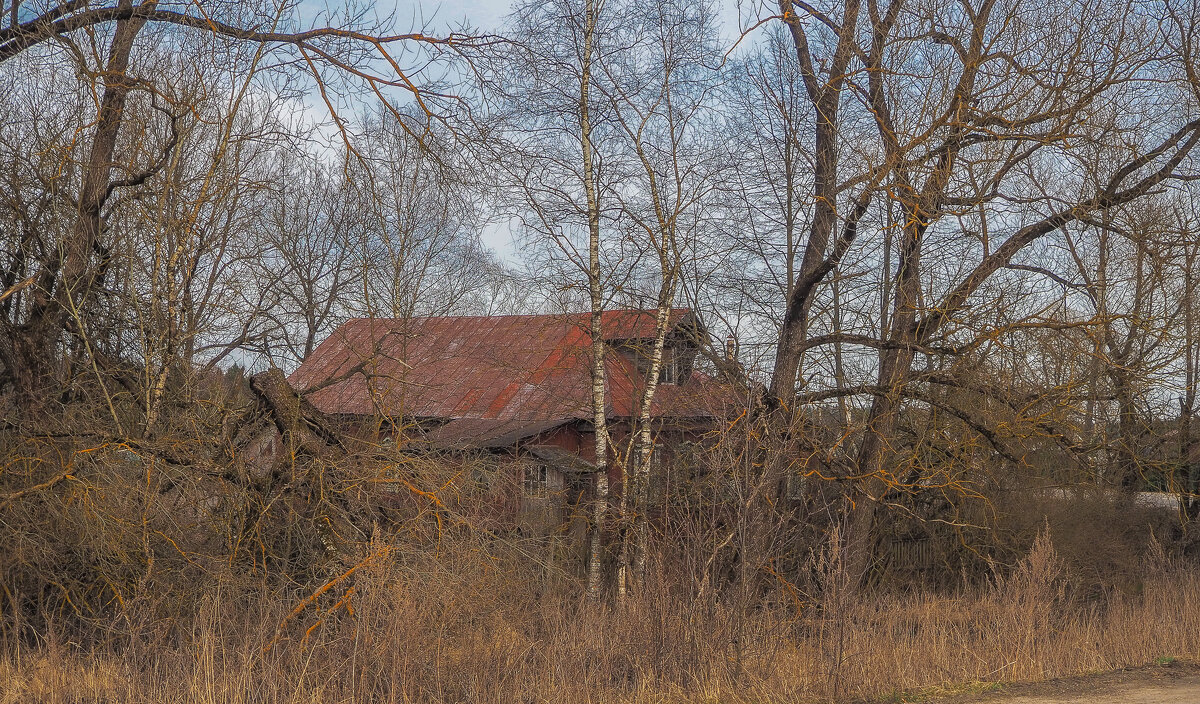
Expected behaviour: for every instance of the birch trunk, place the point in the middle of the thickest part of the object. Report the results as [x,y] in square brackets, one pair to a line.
[644,446]
[595,292]
[1187,402]
[661,231]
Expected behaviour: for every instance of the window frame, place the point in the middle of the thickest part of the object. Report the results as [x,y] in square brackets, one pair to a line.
[668,368]
[535,480]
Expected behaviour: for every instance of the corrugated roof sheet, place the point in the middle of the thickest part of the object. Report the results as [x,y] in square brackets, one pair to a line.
[562,460]
[523,368]
[485,433]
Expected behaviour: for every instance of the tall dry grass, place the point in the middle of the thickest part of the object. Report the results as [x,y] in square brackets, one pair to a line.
[474,625]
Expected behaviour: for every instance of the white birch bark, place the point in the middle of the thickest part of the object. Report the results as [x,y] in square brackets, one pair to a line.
[596,296]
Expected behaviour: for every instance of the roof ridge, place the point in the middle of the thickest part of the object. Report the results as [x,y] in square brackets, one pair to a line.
[389,319]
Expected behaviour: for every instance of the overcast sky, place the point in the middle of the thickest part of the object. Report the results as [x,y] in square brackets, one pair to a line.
[487,16]
[484,14]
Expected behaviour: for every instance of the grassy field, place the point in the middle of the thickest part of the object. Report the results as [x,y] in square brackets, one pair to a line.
[457,630]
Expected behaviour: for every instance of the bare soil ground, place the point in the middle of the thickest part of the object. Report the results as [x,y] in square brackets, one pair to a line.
[1174,683]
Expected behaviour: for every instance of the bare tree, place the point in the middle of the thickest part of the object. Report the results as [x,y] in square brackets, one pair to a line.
[928,127]
[661,90]
[419,243]
[70,272]
[312,260]
[556,174]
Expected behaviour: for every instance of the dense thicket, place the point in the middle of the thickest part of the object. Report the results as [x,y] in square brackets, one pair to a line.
[952,244]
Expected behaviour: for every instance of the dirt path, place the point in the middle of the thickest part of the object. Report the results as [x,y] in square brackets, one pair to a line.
[1177,683]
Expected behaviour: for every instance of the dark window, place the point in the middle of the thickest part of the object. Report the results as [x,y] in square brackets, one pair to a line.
[668,371]
[535,480]
[657,475]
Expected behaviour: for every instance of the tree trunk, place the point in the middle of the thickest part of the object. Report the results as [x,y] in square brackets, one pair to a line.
[875,456]
[826,102]
[596,297]
[643,448]
[1127,469]
[80,268]
[67,287]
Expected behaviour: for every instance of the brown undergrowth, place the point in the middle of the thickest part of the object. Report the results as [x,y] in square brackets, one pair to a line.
[474,623]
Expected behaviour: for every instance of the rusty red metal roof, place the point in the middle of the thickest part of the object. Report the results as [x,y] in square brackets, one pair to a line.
[463,433]
[522,368]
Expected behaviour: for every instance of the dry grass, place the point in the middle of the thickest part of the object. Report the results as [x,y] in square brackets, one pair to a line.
[472,627]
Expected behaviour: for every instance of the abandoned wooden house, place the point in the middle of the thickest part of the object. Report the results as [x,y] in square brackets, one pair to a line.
[515,391]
